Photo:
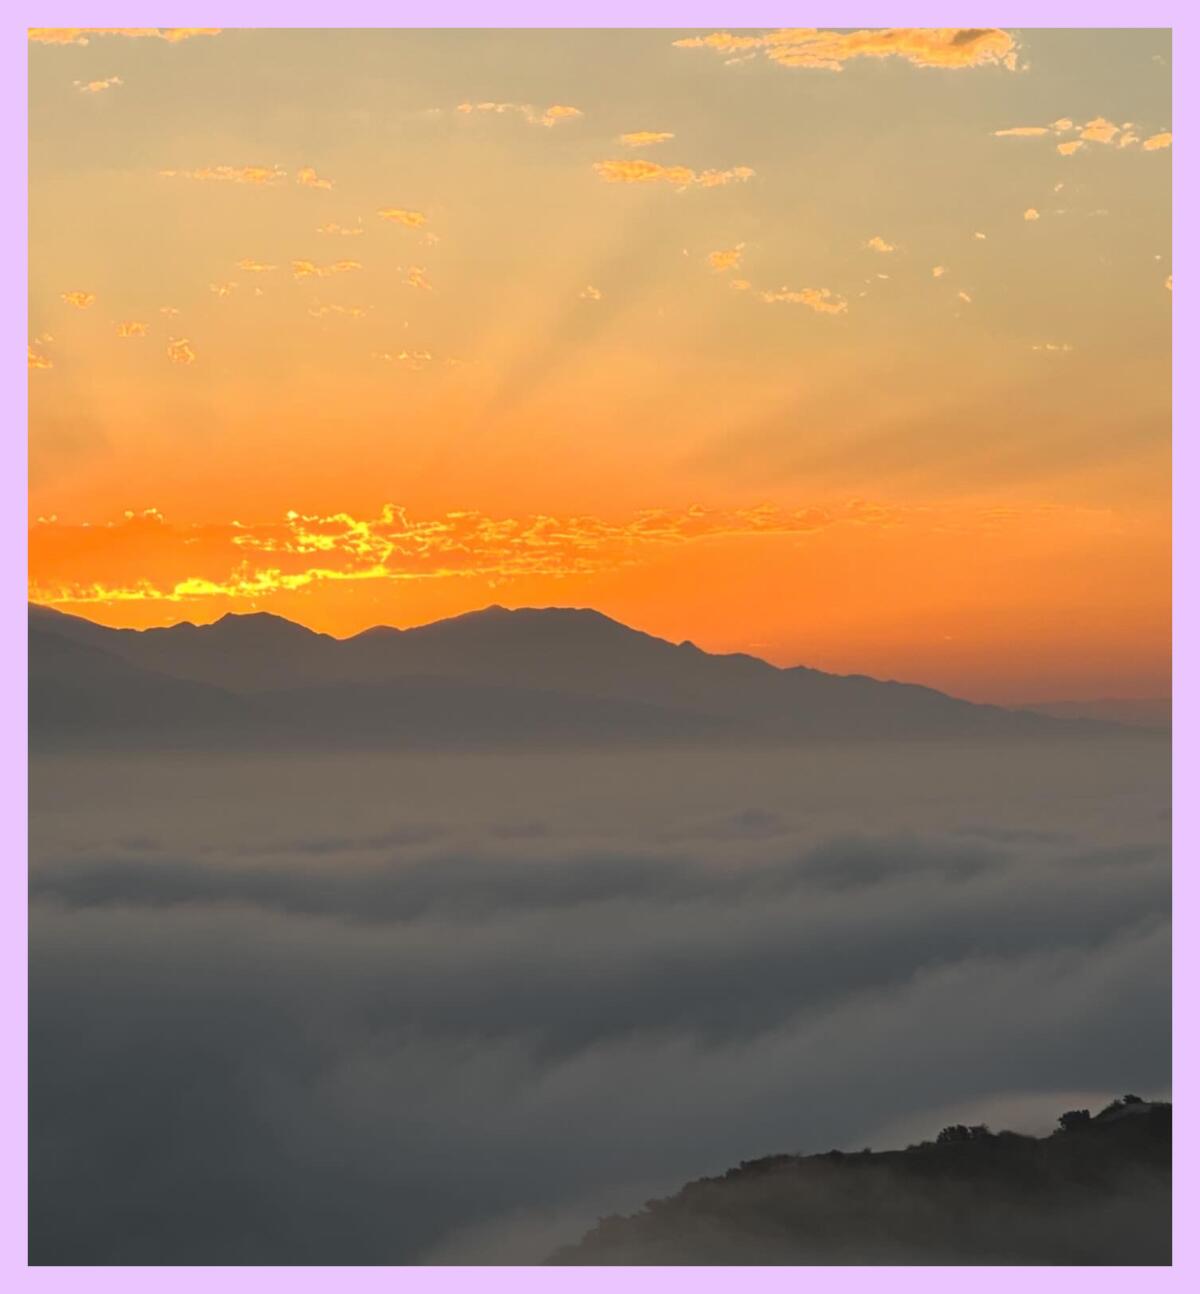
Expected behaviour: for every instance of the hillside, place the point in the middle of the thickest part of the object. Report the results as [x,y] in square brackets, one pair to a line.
[1097,1191]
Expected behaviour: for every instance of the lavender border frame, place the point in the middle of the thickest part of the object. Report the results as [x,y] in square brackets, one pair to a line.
[688,14]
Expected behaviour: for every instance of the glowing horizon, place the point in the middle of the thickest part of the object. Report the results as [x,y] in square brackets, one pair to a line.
[844,349]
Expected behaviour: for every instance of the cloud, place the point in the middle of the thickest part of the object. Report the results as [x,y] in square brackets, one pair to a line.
[414,277]
[640,171]
[309,269]
[346,231]
[251,266]
[964,296]
[97,87]
[591,293]
[349,312]
[427,1002]
[548,117]
[1168,282]
[822,300]
[231,174]
[1155,142]
[223,289]
[1032,213]
[307,176]
[399,216]
[83,35]
[180,351]
[938,271]
[1100,130]
[38,360]
[80,300]
[980,237]
[728,259]
[808,47]
[646,138]
[132,328]
[877,244]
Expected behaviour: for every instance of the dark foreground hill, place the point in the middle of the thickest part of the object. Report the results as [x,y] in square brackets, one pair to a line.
[494,677]
[1098,1191]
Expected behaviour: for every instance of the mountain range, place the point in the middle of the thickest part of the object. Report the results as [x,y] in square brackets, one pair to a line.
[552,676]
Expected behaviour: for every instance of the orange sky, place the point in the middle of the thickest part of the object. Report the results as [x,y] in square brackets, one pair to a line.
[849,350]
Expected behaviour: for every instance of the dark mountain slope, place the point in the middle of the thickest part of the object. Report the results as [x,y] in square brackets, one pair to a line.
[1096,1193]
[650,686]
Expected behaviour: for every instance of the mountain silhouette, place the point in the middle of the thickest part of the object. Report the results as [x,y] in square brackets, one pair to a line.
[489,676]
[1097,1191]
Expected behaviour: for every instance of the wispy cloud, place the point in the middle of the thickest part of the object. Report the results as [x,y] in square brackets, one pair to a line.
[399,216]
[38,360]
[251,266]
[309,269]
[83,35]
[347,312]
[1099,130]
[179,351]
[822,300]
[591,293]
[97,87]
[345,231]
[414,277]
[727,259]
[80,300]
[548,117]
[132,328]
[830,51]
[640,171]
[231,174]
[878,244]
[1155,142]
[646,138]
[307,176]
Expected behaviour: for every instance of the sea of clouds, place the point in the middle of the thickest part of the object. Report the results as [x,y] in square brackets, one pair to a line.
[453,1008]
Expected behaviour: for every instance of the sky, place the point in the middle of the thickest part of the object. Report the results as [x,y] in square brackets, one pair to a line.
[846,349]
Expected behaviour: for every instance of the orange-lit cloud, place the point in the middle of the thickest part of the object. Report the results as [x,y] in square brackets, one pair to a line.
[37,360]
[1023,131]
[223,289]
[548,117]
[82,35]
[1155,142]
[309,269]
[822,300]
[877,244]
[1070,146]
[399,216]
[349,312]
[241,561]
[231,174]
[180,351]
[132,328]
[252,266]
[307,176]
[639,171]
[938,271]
[591,293]
[1100,130]
[414,276]
[1032,213]
[728,259]
[98,87]
[830,51]
[80,300]
[346,231]
[646,138]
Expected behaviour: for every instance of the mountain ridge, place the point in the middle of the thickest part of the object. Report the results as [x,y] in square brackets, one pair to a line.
[504,658]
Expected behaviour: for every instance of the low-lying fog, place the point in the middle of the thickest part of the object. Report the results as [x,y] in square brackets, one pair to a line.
[453,1008]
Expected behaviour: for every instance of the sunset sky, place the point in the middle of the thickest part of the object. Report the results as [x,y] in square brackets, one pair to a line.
[849,349]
